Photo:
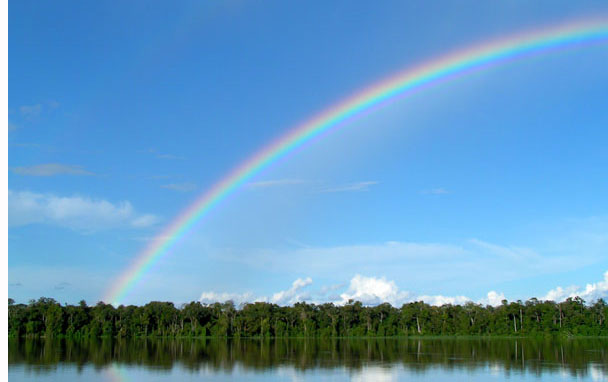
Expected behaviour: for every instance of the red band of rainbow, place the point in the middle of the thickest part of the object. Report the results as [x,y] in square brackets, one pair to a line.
[401,84]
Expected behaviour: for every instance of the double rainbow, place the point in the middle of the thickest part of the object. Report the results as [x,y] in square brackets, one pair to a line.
[401,84]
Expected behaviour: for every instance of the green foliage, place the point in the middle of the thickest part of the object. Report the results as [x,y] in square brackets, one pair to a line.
[47,318]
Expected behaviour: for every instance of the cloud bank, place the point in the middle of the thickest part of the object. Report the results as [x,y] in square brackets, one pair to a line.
[373,291]
[75,212]
[591,292]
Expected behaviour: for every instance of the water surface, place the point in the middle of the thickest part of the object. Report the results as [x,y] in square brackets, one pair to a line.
[309,360]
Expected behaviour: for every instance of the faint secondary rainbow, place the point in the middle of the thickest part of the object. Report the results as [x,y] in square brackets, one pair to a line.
[401,84]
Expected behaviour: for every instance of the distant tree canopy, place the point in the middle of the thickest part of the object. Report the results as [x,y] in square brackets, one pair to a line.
[46,317]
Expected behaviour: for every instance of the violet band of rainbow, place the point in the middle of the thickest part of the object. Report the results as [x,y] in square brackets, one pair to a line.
[401,84]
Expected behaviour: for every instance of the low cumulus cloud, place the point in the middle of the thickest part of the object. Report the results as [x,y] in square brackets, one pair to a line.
[75,212]
[591,292]
[378,290]
[236,298]
[293,294]
[368,290]
[374,291]
[371,291]
[285,297]
[51,169]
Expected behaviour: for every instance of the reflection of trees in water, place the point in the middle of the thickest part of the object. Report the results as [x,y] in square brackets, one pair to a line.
[533,356]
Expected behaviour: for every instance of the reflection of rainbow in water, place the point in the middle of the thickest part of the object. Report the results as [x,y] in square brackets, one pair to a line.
[377,95]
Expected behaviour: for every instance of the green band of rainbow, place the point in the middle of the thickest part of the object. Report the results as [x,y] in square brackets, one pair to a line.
[401,84]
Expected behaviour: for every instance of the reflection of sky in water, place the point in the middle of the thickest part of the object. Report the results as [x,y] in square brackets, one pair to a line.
[373,372]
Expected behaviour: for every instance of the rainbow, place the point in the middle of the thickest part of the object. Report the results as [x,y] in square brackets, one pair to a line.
[377,95]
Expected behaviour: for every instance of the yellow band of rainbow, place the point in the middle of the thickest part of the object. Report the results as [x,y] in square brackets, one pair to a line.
[445,67]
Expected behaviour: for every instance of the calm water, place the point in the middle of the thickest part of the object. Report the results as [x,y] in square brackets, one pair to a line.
[310,360]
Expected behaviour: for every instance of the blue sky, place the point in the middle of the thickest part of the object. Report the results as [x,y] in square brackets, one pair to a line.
[121,115]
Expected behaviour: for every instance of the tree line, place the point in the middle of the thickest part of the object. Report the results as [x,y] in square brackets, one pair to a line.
[46,317]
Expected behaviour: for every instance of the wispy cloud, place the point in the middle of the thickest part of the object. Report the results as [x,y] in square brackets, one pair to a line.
[145,220]
[351,187]
[51,169]
[435,191]
[474,263]
[275,183]
[30,110]
[160,155]
[75,212]
[12,126]
[181,187]
[513,253]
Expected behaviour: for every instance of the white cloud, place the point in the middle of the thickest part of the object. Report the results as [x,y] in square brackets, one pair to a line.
[181,187]
[493,298]
[367,290]
[373,291]
[237,298]
[377,290]
[275,183]
[75,212]
[350,187]
[591,292]
[50,169]
[439,300]
[292,295]
[286,297]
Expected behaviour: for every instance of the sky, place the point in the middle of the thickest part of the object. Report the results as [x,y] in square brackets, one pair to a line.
[489,186]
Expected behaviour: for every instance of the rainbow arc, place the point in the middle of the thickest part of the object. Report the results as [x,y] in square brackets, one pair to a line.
[399,85]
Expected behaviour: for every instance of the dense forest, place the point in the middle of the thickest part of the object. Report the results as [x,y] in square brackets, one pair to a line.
[46,317]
